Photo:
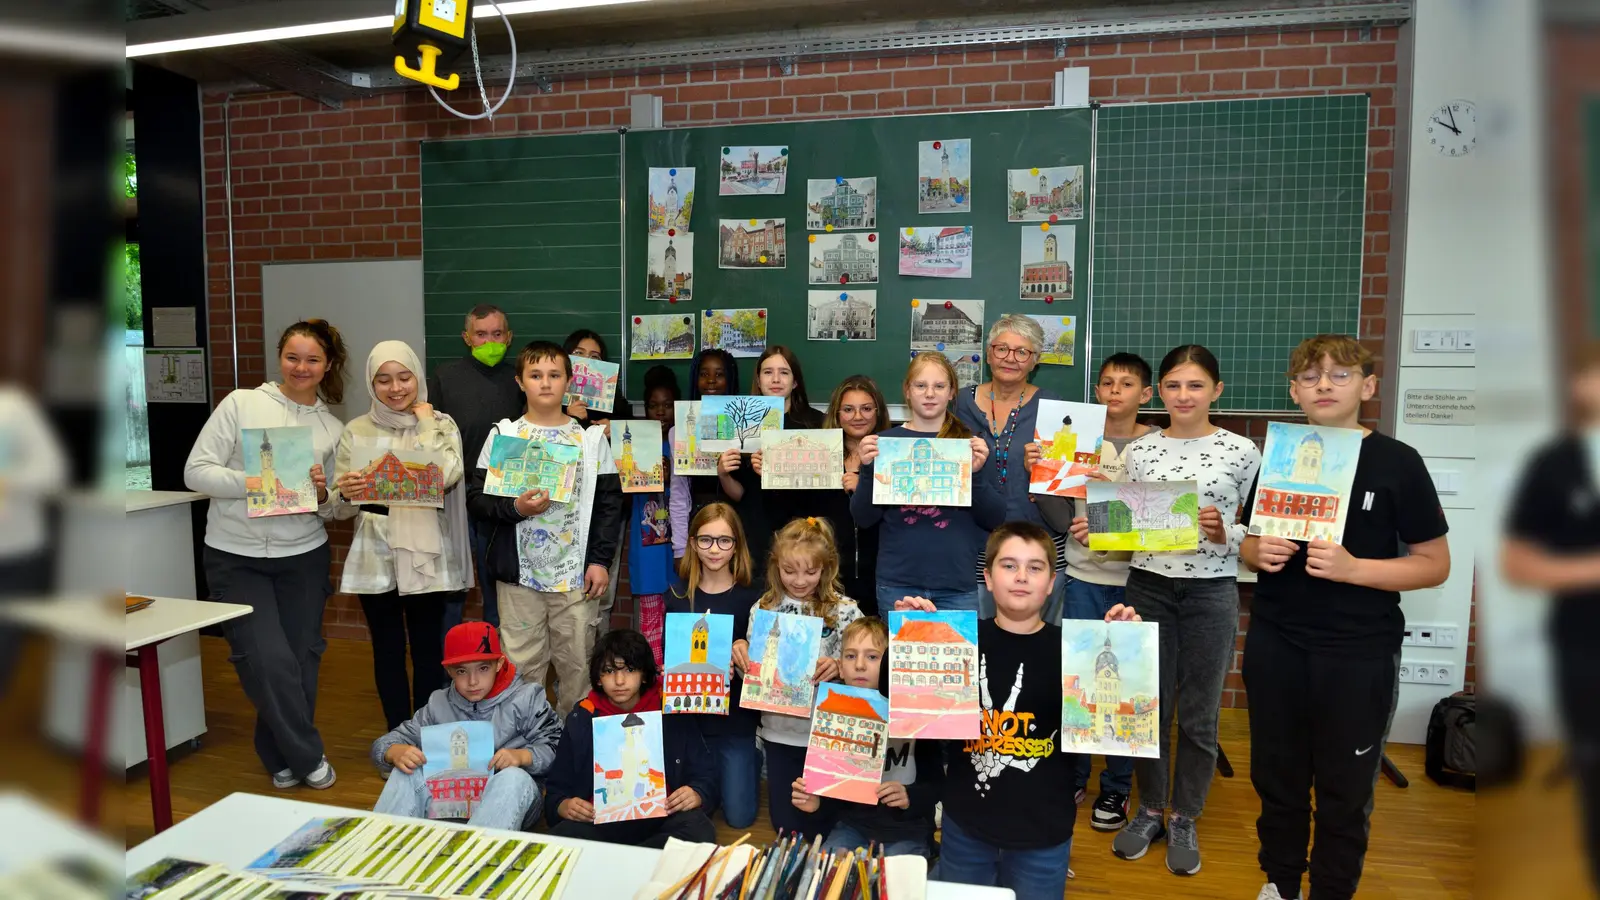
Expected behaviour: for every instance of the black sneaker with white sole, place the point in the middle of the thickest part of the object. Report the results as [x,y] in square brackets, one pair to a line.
[1110,811]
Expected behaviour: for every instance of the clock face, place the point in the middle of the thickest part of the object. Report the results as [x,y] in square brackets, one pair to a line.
[1452,129]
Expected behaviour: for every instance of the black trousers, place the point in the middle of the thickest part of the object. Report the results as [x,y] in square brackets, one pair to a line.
[391,619]
[694,826]
[785,763]
[1577,686]
[1317,722]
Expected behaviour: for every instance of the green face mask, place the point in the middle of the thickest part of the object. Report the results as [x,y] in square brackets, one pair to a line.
[489,353]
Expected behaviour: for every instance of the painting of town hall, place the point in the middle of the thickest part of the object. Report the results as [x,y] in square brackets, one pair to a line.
[842,259]
[841,203]
[397,477]
[518,464]
[922,472]
[1110,682]
[1035,195]
[779,677]
[802,459]
[842,315]
[844,754]
[1307,475]
[933,674]
[698,653]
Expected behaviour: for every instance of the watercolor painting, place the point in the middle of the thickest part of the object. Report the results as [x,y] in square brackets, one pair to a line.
[741,332]
[662,337]
[944,176]
[518,464]
[159,876]
[1069,436]
[942,325]
[671,198]
[922,472]
[636,446]
[1110,688]
[400,477]
[752,243]
[936,252]
[1038,194]
[933,674]
[1060,340]
[697,656]
[457,767]
[735,421]
[630,779]
[844,755]
[753,170]
[842,259]
[669,266]
[1307,475]
[594,381]
[803,459]
[842,315]
[277,471]
[1155,516]
[688,457]
[779,678]
[1046,271]
[841,203]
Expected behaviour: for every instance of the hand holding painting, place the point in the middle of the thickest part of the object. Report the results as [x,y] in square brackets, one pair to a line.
[1330,561]
[980,453]
[1123,613]
[803,801]
[683,799]
[915,603]
[353,484]
[1271,552]
[1211,525]
[741,655]
[320,482]
[533,502]
[827,669]
[576,809]
[1080,530]
[867,450]
[506,758]
[755,462]
[728,462]
[405,757]
[576,409]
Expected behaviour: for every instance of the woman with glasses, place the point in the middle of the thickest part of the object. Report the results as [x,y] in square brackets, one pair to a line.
[1002,411]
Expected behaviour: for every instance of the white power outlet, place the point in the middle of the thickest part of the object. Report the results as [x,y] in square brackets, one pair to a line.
[1405,672]
[1443,674]
[1423,673]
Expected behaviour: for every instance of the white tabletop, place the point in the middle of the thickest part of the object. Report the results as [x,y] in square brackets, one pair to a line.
[169,617]
[142,500]
[33,833]
[92,620]
[237,829]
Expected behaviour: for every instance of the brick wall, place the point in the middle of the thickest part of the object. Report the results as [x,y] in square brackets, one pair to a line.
[311,183]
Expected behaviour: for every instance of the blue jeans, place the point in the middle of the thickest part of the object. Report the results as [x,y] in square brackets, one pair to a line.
[1087,600]
[848,837]
[740,768]
[455,610]
[510,798]
[888,594]
[1039,874]
[1052,605]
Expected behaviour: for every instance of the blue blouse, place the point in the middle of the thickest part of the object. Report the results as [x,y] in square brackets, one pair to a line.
[1019,503]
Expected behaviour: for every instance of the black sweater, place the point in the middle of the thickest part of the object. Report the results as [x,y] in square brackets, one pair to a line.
[477,397]
[919,765]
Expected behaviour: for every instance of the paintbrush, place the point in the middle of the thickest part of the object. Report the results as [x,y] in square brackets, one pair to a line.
[688,882]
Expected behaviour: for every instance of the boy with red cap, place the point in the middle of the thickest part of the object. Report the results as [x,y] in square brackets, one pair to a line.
[484,688]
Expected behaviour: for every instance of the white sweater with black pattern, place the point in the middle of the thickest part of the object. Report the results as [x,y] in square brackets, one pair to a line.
[1223,465]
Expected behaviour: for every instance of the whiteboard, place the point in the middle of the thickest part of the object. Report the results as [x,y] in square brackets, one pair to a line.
[367,300]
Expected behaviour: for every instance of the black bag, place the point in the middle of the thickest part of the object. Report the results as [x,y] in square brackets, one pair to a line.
[1450,757]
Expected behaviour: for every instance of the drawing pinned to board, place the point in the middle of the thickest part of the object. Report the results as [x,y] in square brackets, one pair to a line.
[741,332]
[688,457]
[1110,688]
[947,325]
[669,267]
[841,203]
[936,252]
[1069,436]
[1307,475]
[933,674]
[779,679]
[753,170]
[752,243]
[277,471]
[842,315]
[842,259]
[1060,340]
[1037,194]
[922,472]
[1155,516]
[517,465]
[398,477]
[735,422]
[944,176]
[457,766]
[630,779]
[696,659]
[671,198]
[175,375]
[1047,263]
[636,446]
[594,381]
[662,337]
[968,364]
[844,754]
[802,459]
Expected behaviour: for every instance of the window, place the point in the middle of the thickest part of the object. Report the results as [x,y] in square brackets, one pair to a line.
[137,457]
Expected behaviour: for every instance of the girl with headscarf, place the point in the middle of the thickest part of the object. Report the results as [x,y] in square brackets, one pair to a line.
[398,470]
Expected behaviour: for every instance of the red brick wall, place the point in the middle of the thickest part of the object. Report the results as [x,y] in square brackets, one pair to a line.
[312,183]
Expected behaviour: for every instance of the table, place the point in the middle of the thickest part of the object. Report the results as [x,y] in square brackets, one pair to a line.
[237,829]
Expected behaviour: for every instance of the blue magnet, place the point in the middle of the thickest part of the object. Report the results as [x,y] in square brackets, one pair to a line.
[974,357]
[672,172]
[939,347]
[709,313]
[839,180]
[844,296]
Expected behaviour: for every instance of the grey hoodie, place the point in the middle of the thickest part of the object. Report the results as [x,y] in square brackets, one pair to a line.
[522,718]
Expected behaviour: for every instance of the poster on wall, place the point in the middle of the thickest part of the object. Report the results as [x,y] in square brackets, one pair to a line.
[669,266]
[671,199]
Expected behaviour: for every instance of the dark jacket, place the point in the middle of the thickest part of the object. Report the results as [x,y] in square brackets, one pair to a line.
[476,396]
[688,762]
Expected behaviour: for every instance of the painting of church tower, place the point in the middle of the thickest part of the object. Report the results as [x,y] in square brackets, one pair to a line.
[629,767]
[671,201]
[636,446]
[697,657]
[1307,474]
[779,680]
[1110,685]
[277,471]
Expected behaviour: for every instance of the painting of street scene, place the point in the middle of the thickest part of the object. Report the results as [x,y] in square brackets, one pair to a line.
[688,457]
[933,674]
[1154,516]
[1046,268]
[1110,685]
[662,337]
[636,446]
[671,199]
[277,471]
[398,477]
[594,381]
[1036,194]
[753,170]
[741,332]
[844,754]
[783,657]
[630,779]
[841,203]
[1060,339]
[936,252]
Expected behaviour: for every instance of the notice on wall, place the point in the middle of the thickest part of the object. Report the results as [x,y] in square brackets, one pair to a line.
[172,326]
[175,375]
[1434,406]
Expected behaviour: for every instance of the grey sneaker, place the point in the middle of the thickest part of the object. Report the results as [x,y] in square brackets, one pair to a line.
[1270,892]
[1134,840]
[322,777]
[1183,847]
[284,780]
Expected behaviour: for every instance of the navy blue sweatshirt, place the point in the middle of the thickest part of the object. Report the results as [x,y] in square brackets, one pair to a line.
[736,601]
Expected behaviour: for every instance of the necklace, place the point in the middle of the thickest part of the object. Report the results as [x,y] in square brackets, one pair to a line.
[1004,437]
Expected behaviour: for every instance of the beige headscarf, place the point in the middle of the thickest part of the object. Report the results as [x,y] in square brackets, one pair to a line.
[414,533]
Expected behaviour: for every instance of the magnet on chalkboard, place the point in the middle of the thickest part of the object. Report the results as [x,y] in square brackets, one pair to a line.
[1052,217]
[939,347]
[839,180]
[761,314]
[726,150]
[673,299]
[844,337]
[916,303]
[843,297]
[811,239]
[844,279]
[974,357]
[873,237]
[937,144]
[710,313]
[1044,226]
[828,228]
[672,172]
[1049,299]
[638,320]
[949,305]
[762,259]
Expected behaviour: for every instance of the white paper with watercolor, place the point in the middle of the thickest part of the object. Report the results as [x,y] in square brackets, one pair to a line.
[671,199]
[936,252]
[669,267]
[398,476]
[783,656]
[922,472]
[277,471]
[933,675]
[1110,688]
[594,381]
[697,656]
[842,259]
[662,337]
[1153,516]
[841,203]
[944,176]
[630,779]
[842,315]
[948,326]
[1037,194]
[688,456]
[746,170]
[1069,436]
[519,464]
[844,754]
[1060,340]
[802,459]
[752,243]
[457,766]
[636,446]
[1046,271]
[735,421]
[741,332]
[1307,475]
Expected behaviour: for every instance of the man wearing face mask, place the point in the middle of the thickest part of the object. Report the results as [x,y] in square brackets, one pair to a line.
[477,392]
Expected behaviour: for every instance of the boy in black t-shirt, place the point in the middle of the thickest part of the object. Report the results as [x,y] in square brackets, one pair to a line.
[1325,629]
[1008,810]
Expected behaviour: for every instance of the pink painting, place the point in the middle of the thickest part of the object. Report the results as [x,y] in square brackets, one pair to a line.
[844,756]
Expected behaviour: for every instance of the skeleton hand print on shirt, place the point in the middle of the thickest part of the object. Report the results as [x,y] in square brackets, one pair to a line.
[1007,740]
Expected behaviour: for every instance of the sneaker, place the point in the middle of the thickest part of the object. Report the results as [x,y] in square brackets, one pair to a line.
[322,777]
[1143,830]
[1110,812]
[1270,892]
[938,815]
[1183,847]
[1079,796]
[284,780]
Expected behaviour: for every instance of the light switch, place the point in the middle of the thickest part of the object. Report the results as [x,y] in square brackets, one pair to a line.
[1425,341]
[1446,481]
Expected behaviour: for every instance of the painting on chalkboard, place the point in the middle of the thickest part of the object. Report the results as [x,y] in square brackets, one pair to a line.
[669,267]
[936,252]
[741,332]
[751,243]
[662,337]
[1060,339]
[1044,194]
[842,259]
[1307,475]
[1047,255]
[671,199]
[842,315]
[841,203]
[944,176]
[946,324]
[753,170]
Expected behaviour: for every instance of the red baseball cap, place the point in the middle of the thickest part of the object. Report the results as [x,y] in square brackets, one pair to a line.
[471,642]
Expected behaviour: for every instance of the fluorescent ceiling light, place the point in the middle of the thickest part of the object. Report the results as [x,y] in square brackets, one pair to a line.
[481,9]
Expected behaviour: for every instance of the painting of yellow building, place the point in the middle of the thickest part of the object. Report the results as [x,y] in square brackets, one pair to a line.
[636,446]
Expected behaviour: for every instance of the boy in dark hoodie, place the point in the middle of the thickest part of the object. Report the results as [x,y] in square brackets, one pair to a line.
[622,673]
[484,688]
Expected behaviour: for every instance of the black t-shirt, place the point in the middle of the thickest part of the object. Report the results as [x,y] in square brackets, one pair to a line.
[736,601]
[1012,787]
[1392,503]
[1557,507]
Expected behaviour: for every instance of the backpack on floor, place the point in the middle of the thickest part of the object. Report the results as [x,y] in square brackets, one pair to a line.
[1450,757]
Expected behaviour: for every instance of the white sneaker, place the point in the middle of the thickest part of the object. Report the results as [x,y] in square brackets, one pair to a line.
[284,780]
[322,777]
[938,815]
[1270,892]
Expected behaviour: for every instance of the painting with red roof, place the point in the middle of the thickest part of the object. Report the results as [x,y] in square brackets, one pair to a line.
[844,755]
[933,674]
[1110,684]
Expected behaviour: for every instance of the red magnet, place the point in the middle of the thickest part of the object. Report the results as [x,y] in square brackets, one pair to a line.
[638,321]
[673,299]
[1052,217]
[1049,299]
[844,279]
[672,232]
[936,145]
[761,314]
[872,237]
[948,305]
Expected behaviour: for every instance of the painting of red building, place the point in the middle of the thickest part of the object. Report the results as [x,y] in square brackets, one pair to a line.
[402,478]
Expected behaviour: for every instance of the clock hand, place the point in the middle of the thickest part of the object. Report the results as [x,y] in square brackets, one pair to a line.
[1451,127]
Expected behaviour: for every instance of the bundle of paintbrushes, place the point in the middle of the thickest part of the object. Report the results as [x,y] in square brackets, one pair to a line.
[790,869]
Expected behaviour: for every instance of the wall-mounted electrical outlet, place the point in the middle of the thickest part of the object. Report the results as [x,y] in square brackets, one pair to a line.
[1405,672]
[1409,637]
[1424,635]
[1422,673]
[1443,674]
